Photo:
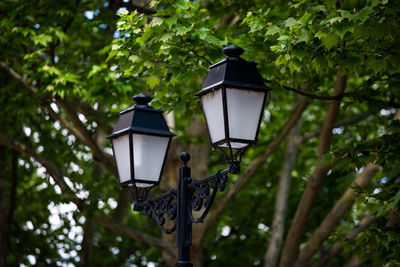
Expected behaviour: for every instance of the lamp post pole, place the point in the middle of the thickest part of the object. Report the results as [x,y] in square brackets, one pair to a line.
[184,225]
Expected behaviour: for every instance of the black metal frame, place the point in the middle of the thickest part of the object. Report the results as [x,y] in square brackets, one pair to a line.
[179,204]
[228,138]
[236,73]
[137,123]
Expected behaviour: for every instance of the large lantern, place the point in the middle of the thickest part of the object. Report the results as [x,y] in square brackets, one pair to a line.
[233,97]
[140,143]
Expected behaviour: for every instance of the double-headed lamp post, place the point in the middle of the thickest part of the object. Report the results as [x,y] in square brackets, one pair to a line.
[233,98]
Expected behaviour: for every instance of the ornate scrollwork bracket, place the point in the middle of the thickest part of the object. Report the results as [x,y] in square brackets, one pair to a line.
[202,197]
[162,208]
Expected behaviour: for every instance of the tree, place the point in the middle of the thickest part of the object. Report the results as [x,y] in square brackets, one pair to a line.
[68,68]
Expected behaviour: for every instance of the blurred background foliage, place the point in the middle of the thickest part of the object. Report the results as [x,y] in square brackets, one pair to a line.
[69,67]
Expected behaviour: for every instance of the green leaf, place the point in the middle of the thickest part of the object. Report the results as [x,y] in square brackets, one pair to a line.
[299,53]
[320,35]
[275,48]
[319,63]
[134,58]
[362,15]
[181,30]
[156,21]
[345,14]
[327,159]
[291,22]
[342,29]
[171,21]
[304,36]
[272,30]
[330,40]
[165,37]
[42,39]
[335,19]
[280,60]
[306,18]
[152,81]
[202,32]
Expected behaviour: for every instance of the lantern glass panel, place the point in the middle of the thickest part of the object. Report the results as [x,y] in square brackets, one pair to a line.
[149,152]
[244,109]
[121,154]
[213,112]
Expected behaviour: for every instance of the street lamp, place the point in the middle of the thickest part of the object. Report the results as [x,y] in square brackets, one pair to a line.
[140,143]
[233,98]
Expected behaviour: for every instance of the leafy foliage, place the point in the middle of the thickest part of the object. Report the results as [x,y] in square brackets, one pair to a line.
[93,56]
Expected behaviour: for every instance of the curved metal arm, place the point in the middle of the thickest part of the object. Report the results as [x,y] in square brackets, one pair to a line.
[201,197]
[161,208]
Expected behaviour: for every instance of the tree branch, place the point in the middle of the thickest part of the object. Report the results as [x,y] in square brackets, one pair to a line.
[4,227]
[18,77]
[136,235]
[79,130]
[344,122]
[278,223]
[250,170]
[335,215]
[338,247]
[314,185]
[98,154]
[336,97]
[49,166]
[59,179]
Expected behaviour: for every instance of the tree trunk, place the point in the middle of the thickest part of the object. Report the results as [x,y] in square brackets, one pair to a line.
[278,224]
[289,254]
[353,262]
[199,154]
[335,215]
[3,218]
[85,253]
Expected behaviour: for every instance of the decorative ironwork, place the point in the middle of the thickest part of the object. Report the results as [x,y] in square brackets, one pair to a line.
[202,197]
[203,192]
[233,159]
[161,208]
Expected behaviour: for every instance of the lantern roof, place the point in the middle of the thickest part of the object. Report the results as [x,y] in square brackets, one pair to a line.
[234,71]
[142,118]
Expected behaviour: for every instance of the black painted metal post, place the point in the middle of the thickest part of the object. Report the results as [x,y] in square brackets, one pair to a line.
[184,225]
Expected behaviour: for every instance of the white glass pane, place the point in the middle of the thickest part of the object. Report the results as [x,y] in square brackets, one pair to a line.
[213,112]
[148,156]
[121,154]
[244,108]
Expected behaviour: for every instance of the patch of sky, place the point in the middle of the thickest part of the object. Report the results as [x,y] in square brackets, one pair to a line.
[89,14]
[226,230]
[117,34]
[122,10]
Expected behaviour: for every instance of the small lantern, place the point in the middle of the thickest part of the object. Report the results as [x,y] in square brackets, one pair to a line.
[140,143]
[233,97]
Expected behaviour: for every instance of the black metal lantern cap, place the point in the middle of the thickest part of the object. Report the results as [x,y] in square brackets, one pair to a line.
[141,118]
[233,71]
